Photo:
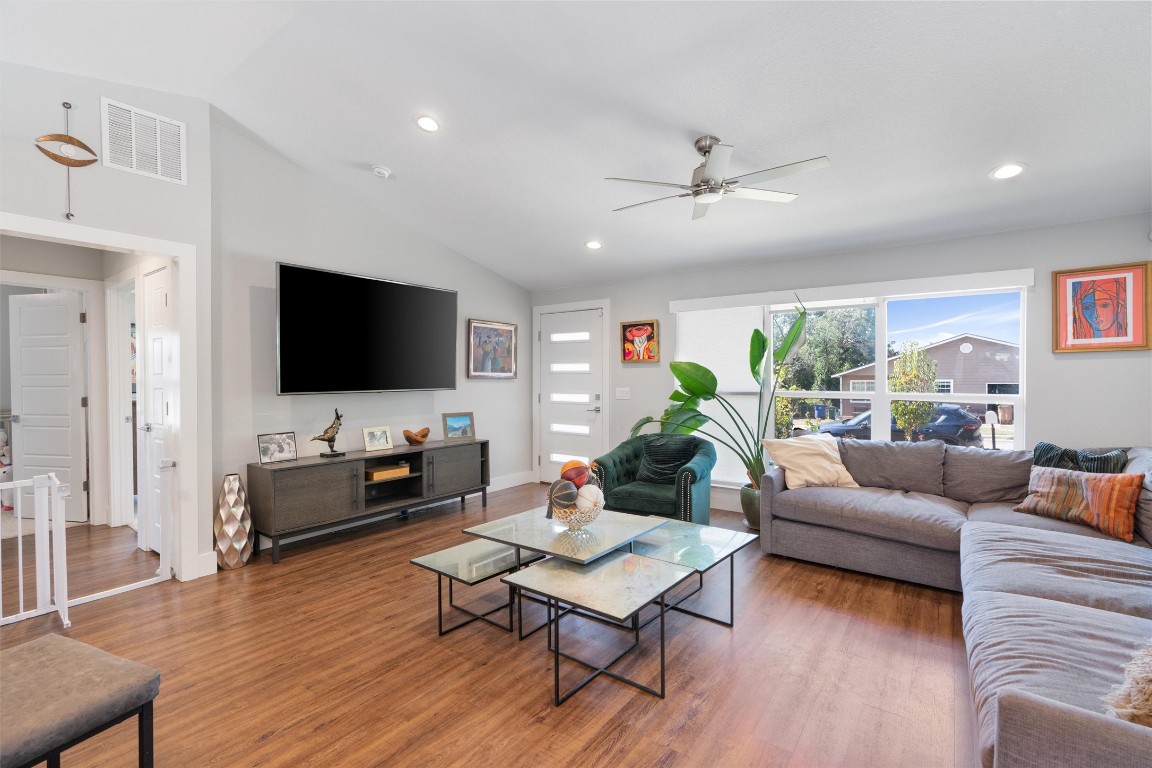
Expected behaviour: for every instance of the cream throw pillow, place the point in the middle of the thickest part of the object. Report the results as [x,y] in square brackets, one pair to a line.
[810,460]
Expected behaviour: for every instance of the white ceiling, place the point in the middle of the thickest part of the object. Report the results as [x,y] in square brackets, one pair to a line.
[914,102]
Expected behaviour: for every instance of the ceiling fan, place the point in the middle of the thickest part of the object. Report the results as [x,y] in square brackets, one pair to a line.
[709,185]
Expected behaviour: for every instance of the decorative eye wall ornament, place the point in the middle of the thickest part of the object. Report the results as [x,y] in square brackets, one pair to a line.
[68,152]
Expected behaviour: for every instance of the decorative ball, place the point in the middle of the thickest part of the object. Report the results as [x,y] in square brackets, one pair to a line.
[575,471]
[562,494]
[589,496]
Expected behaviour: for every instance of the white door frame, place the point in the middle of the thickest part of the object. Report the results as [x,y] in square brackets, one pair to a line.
[119,404]
[609,344]
[92,302]
[193,281]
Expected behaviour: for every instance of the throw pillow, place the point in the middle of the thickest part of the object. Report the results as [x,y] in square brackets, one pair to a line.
[1106,502]
[663,457]
[1049,455]
[1132,699]
[810,460]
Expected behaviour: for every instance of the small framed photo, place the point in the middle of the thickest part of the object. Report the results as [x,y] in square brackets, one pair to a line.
[276,446]
[491,350]
[459,427]
[1102,308]
[377,438]
[640,342]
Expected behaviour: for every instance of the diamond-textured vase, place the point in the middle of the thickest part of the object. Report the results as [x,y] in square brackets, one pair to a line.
[233,524]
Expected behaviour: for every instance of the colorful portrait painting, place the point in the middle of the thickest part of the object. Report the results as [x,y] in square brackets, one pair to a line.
[1105,308]
[491,350]
[639,342]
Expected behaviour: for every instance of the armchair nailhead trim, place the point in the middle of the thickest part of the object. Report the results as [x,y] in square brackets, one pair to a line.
[686,481]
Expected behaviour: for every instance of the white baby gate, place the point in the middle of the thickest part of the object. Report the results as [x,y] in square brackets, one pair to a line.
[51,572]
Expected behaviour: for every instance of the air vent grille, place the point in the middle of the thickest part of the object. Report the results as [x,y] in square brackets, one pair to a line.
[143,142]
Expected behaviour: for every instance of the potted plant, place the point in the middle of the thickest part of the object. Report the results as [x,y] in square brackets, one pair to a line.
[698,384]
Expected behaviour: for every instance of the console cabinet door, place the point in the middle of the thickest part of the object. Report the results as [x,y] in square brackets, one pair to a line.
[311,496]
[454,469]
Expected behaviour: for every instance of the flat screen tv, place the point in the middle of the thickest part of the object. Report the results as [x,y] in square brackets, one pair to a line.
[337,332]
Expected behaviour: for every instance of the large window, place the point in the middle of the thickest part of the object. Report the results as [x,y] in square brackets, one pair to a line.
[966,346]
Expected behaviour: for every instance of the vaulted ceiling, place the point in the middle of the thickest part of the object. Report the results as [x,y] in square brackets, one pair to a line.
[913,102]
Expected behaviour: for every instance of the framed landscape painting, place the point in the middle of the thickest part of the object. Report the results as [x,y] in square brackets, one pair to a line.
[491,350]
[640,342]
[377,438]
[1102,308]
[459,426]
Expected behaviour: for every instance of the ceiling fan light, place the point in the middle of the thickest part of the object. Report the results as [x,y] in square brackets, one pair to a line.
[708,196]
[428,123]
[1007,171]
[594,245]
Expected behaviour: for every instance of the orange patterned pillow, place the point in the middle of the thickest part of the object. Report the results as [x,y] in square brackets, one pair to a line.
[1103,501]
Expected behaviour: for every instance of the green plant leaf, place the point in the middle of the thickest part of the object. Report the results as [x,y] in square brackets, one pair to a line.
[639,425]
[695,379]
[793,340]
[757,349]
[679,396]
[685,421]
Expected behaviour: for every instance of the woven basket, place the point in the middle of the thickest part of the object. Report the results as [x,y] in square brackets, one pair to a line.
[575,518]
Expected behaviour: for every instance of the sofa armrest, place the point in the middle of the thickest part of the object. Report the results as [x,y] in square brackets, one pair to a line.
[695,480]
[619,466]
[1033,732]
[771,484]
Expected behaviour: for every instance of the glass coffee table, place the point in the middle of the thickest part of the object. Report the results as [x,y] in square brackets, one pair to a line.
[616,587]
[533,531]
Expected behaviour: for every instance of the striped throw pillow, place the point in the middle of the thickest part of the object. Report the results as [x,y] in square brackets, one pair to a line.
[1049,455]
[1106,502]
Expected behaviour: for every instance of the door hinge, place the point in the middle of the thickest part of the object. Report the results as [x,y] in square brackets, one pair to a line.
[539,336]
[538,398]
[84,402]
[84,486]
[537,461]
[165,298]
[83,317]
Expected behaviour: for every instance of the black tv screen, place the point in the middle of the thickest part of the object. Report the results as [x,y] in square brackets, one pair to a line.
[347,333]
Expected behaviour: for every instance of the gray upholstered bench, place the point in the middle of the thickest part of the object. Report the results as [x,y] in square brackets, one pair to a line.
[56,692]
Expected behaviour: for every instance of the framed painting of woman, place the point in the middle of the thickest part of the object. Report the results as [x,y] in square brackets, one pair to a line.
[1102,308]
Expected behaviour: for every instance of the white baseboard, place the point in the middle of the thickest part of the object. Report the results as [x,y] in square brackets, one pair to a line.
[511,481]
[726,498]
[205,565]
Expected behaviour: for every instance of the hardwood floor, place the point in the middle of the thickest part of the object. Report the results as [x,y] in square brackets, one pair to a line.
[331,658]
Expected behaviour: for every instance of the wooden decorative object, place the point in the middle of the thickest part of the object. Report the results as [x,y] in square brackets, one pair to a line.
[418,437]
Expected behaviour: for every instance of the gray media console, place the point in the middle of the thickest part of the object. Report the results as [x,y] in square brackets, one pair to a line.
[291,497]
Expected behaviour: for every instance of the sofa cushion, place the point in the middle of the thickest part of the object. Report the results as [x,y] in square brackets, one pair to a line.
[1068,653]
[1106,502]
[1049,455]
[809,460]
[1004,513]
[653,498]
[1098,573]
[913,518]
[663,457]
[980,476]
[1140,461]
[912,467]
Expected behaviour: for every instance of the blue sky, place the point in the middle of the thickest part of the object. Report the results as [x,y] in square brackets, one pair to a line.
[995,315]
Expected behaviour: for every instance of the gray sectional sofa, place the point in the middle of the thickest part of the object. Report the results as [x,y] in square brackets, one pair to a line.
[1052,610]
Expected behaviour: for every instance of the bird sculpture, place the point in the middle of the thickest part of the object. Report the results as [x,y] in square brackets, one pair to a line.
[329,435]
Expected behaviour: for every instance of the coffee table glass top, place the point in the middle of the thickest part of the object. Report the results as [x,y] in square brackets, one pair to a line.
[616,586]
[531,530]
[697,546]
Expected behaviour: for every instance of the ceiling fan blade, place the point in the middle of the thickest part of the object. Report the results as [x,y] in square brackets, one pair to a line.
[700,210]
[717,163]
[686,194]
[779,172]
[762,194]
[653,183]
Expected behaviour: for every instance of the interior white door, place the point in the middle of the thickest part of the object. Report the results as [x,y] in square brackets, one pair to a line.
[156,386]
[571,389]
[48,429]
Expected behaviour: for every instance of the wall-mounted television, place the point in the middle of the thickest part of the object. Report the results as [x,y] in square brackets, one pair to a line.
[337,332]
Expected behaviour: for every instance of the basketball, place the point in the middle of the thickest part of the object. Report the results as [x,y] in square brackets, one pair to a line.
[575,471]
[562,493]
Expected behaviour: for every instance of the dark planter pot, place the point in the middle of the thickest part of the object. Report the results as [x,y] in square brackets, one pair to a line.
[750,505]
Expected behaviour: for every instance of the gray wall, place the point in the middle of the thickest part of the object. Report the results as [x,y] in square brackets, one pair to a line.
[39,257]
[1100,398]
[267,210]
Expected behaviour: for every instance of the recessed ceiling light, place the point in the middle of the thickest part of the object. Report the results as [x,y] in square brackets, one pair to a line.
[381,171]
[594,245]
[428,124]
[1007,171]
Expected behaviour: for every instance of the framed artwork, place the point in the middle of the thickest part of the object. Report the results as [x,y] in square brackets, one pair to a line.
[377,438]
[276,446]
[491,350]
[459,427]
[640,342]
[1102,308]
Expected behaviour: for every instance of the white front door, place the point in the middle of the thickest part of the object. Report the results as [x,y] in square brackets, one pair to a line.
[48,429]
[156,380]
[572,381]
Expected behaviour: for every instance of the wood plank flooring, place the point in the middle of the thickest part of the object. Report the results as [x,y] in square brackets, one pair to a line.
[331,658]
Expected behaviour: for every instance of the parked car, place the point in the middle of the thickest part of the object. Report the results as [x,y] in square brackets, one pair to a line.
[949,423]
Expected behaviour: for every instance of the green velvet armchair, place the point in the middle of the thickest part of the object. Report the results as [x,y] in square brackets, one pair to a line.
[659,474]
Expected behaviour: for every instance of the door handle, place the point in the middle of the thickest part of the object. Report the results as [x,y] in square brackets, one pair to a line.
[145,428]
[594,410]
[15,418]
